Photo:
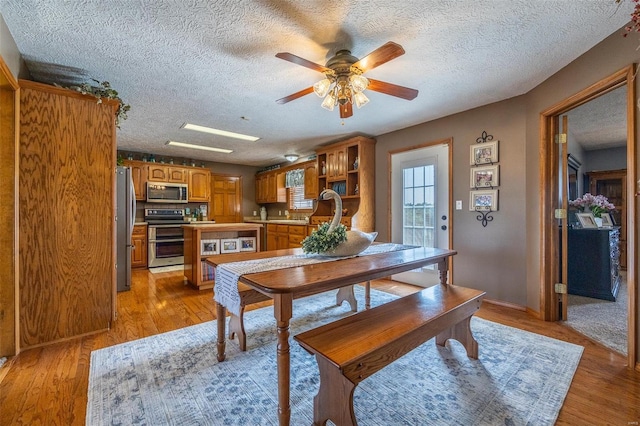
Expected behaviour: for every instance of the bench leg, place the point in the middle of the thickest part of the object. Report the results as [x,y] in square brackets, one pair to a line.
[462,333]
[236,326]
[346,293]
[334,400]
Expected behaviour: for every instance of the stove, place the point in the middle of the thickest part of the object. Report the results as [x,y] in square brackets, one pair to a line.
[166,237]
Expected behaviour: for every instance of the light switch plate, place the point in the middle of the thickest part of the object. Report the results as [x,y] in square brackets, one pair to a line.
[458,204]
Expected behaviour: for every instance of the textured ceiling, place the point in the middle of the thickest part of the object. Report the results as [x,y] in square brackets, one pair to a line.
[213,63]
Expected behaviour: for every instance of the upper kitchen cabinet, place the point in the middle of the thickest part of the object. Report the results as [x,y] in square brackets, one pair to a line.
[164,173]
[139,170]
[66,207]
[348,168]
[270,187]
[199,184]
[310,180]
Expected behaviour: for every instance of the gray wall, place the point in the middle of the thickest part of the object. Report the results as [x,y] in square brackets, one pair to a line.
[489,258]
[605,159]
[10,54]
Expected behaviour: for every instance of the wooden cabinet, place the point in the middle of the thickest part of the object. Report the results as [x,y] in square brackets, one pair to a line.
[297,233]
[270,187]
[613,185]
[350,168]
[66,209]
[139,170]
[593,263]
[199,185]
[165,173]
[277,236]
[311,180]
[197,272]
[139,249]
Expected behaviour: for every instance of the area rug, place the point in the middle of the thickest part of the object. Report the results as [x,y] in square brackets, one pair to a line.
[601,320]
[174,378]
[163,269]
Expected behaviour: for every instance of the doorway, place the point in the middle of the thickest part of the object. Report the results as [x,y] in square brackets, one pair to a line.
[552,264]
[420,204]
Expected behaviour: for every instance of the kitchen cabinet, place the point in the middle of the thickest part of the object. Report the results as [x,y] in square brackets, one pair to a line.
[349,170]
[66,209]
[139,246]
[311,180]
[613,185]
[139,170]
[277,236]
[270,187]
[165,173]
[297,233]
[196,270]
[199,185]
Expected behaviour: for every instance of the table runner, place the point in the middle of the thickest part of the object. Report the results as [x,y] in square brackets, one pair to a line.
[227,274]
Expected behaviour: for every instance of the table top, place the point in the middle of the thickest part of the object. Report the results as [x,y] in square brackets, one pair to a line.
[318,277]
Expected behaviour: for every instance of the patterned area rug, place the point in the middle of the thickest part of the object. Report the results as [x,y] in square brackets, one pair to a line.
[601,320]
[174,378]
[163,269]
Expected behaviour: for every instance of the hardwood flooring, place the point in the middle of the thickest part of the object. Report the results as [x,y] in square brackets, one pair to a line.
[48,385]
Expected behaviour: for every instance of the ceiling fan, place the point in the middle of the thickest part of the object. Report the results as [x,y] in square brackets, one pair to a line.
[344,83]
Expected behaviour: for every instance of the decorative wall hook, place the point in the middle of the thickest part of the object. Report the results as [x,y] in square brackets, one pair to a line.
[484,137]
[483,216]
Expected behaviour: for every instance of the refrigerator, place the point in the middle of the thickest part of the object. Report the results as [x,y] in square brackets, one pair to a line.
[125,218]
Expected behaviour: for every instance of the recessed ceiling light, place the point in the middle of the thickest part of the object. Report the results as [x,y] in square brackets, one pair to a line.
[204,148]
[211,130]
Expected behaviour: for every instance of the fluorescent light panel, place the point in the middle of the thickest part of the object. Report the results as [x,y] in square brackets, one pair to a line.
[211,130]
[204,148]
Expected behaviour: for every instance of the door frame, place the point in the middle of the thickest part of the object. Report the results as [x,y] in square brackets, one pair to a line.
[449,143]
[549,181]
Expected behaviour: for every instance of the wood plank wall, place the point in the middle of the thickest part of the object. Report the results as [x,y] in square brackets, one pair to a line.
[67,175]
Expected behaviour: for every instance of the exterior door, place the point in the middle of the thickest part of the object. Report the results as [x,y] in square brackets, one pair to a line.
[420,205]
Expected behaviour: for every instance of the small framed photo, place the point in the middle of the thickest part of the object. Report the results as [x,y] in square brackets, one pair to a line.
[210,247]
[229,245]
[484,153]
[247,243]
[483,200]
[485,177]
[587,220]
[607,221]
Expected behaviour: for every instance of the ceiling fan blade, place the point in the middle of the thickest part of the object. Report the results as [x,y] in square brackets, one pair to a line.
[392,89]
[346,110]
[295,96]
[301,61]
[381,55]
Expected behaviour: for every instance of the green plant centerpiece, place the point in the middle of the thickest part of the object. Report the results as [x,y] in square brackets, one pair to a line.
[103,91]
[333,239]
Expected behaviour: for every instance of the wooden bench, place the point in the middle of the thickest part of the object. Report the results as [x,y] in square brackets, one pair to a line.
[353,348]
[248,296]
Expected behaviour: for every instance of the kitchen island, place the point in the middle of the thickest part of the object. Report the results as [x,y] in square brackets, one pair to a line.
[202,240]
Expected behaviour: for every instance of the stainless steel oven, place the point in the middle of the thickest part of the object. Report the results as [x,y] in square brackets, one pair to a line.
[166,237]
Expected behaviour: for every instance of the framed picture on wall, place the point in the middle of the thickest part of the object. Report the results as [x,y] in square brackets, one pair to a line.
[229,245]
[484,153]
[485,177]
[483,200]
[209,247]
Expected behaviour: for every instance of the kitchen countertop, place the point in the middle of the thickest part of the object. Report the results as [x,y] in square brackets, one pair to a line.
[279,221]
[221,226]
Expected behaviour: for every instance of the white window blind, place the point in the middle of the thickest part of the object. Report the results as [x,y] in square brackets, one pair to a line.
[297,200]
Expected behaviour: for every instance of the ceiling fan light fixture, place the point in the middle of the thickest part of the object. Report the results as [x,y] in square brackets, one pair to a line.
[358,82]
[329,102]
[321,88]
[291,157]
[360,99]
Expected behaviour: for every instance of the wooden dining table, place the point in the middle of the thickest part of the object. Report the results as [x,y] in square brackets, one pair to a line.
[283,285]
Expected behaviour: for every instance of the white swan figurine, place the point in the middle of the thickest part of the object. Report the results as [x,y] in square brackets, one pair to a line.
[357,241]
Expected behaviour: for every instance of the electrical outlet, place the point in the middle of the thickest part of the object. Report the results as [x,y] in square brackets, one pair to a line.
[279,212]
[458,204]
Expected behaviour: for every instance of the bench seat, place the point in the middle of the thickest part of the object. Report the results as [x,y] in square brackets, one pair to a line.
[353,348]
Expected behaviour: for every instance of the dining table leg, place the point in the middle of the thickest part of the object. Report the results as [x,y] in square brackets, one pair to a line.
[221,314]
[283,311]
[443,269]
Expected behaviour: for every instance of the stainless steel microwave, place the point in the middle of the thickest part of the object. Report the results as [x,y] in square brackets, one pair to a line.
[165,192]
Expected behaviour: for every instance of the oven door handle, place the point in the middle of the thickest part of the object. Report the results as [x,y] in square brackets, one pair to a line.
[169,240]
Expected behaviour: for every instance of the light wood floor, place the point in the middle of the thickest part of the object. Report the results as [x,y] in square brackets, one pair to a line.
[48,385]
